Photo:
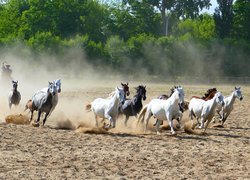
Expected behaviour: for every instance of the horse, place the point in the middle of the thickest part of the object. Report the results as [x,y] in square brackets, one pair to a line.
[164,109]
[107,108]
[183,107]
[208,95]
[205,110]
[132,107]
[228,106]
[43,102]
[14,95]
[57,83]
[125,88]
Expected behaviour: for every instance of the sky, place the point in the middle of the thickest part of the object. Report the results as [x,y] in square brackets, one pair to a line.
[212,8]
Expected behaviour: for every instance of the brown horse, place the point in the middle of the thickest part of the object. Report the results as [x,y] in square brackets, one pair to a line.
[125,88]
[208,95]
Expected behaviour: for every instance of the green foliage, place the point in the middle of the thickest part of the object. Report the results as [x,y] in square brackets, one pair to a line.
[45,42]
[202,28]
[241,23]
[223,17]
[128,36]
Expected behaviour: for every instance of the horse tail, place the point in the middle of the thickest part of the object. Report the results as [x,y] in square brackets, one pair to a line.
[142,114]
[88,107]
[28,105]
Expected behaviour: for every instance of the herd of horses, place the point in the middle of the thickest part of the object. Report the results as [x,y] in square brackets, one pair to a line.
[165,107]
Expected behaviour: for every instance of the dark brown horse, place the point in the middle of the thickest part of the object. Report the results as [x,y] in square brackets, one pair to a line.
[125,88]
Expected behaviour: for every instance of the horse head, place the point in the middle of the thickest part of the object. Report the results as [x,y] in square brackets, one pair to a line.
[14,84]
[141,90]
[237,93]
[58,85]
[180,91]
[121,94]
[219,98]
[125,88]
[52,88]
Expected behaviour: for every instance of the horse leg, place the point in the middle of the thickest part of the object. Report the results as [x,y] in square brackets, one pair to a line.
[208,121]
[170,122]
[31,117]
[107,116]
[220,116]
[149,114]
[202,122]
[225,116]
[158,126]
[44,120]
[126,120]
[39,115]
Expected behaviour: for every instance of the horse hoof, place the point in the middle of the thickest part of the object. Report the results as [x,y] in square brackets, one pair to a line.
[158,133]
[173,133]
[35,124]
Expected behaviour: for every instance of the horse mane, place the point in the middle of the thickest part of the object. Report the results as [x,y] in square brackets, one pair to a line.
[164,96]
[209,93]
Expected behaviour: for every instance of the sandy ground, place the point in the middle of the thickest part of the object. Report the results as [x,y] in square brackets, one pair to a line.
[51,152]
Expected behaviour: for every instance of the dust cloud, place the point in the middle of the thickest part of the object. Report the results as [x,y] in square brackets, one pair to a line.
[34,71]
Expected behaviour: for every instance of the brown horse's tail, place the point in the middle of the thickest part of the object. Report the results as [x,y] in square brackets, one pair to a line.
[28,105]
[88,107]
[142,114]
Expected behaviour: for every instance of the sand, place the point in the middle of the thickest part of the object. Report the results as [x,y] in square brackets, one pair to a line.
[61,150]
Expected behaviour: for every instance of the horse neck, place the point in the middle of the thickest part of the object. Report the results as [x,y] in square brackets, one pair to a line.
[49,97]
[14,89]
[115,99]
[213,101]
[174,98]
[138,98]
[232,98]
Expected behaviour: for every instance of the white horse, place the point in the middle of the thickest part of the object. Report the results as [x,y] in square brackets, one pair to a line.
[43,102]
[14,95]
[228,106]
[164,109]
[205,110]
[107,108]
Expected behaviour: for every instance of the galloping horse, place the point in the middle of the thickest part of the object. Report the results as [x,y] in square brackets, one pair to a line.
[107,108]
[132,107]
[164,109]
[43,102]
[57,83]
[205,109]
[228,106]
[183,107]
[14,95]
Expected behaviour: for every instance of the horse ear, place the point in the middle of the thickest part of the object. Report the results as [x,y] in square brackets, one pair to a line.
[127,83]
[235,88]
[122,84]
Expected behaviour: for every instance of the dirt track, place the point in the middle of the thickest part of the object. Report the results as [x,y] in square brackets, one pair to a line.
[48,153]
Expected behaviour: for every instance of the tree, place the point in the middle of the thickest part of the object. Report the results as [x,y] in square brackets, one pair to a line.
[241,25]
[223,17]
[183,9]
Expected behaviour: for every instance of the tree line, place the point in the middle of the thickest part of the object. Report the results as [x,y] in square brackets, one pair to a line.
[161,37]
